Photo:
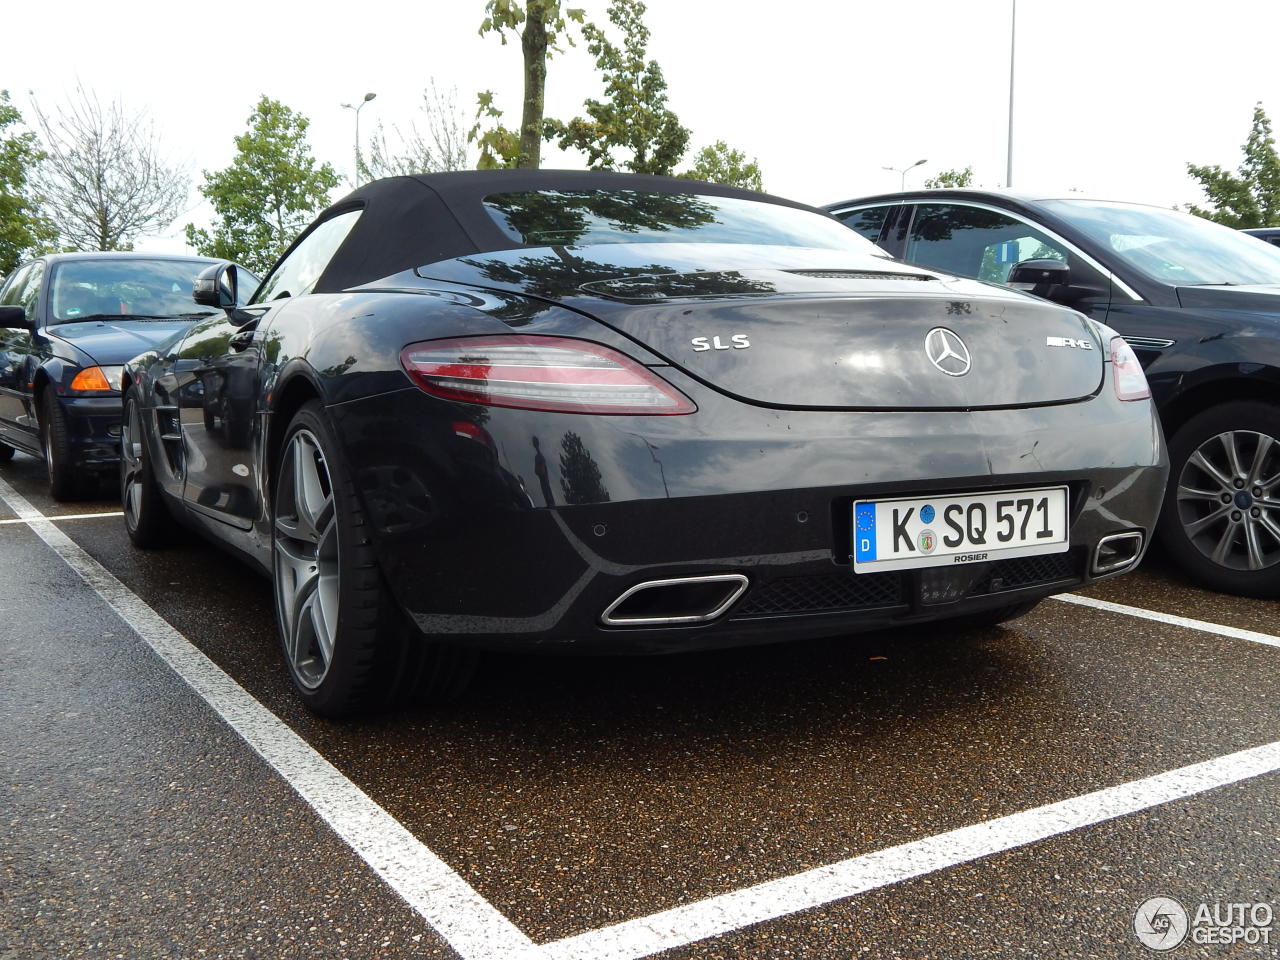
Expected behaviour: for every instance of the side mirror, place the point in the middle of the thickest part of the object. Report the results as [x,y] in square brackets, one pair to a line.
[1052,280]
[216,286]
[14,317]
[1044,278]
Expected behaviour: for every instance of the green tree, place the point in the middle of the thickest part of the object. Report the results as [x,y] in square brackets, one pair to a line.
[273,189]
[499,145]
[721,164]
[22,229]
[950,178]
[634,117]
[541,24]
[1250,198]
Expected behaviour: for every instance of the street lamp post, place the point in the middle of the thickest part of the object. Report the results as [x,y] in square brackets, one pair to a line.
[1013,37]
[903,170]
[357,109]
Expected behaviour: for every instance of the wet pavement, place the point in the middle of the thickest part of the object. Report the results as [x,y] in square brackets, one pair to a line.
[573,795]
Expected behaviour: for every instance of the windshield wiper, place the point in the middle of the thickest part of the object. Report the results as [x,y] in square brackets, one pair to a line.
[125,316]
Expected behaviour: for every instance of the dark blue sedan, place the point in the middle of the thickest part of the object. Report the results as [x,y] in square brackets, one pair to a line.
[68,323]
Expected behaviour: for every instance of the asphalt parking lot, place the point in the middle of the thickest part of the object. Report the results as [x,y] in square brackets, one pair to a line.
[1014,792]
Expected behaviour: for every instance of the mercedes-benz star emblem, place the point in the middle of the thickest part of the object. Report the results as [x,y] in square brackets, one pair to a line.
[947,351]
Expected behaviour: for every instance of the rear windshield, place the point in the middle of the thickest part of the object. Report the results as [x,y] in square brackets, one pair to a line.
[546,218]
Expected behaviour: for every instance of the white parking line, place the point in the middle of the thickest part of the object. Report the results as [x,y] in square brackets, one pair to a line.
[58,518]
[478,931]
[813,888]
[446,901]
[1235,633]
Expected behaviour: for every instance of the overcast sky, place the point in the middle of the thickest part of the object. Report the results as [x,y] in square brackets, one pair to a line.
[1112,98]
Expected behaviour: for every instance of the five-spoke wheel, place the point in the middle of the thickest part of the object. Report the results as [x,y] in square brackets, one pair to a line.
[307,572]
[146,519]
[347,644]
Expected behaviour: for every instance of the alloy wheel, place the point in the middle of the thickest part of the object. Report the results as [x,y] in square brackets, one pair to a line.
[1228,500]
[131,459]
[306,559]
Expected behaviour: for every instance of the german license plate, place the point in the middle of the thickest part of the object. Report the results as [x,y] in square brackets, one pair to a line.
[958,528]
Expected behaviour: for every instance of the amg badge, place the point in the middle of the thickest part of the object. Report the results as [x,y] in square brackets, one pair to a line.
[1068,342]
[738,341]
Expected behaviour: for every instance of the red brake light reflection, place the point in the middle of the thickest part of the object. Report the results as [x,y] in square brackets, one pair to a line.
[540,373]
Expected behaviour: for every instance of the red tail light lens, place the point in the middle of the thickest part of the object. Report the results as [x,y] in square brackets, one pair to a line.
[1126,373]
[540,373]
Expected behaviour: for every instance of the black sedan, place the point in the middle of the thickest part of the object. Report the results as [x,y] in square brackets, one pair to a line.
[607,413]
[1199,303]
[68,323]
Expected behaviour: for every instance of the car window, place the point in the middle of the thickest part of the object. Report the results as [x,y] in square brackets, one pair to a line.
[15,291]
[1172,246]
[868,221]
[30,295]
[975,241]
[124,286]
[298,272]
[246,284]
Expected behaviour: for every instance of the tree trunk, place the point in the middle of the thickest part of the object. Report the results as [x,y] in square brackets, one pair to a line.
[534,42]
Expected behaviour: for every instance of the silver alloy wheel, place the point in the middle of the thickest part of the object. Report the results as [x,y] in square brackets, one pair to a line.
[131,452]
[1228,500]
[305,550]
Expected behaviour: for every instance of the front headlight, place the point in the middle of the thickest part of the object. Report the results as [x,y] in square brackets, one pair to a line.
[98,379]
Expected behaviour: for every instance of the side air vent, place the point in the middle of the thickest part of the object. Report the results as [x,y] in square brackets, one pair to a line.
[1149,343]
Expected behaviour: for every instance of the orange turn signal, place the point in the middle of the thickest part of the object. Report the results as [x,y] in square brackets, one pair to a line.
[90,378]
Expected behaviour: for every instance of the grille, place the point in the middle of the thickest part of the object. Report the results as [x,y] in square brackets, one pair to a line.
[1029,571]
[857,275]
[822,594]
[831,593]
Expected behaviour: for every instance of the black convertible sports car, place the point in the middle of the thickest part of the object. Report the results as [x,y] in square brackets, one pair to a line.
[611,413]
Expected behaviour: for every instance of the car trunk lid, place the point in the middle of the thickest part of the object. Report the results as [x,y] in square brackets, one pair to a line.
[881,335]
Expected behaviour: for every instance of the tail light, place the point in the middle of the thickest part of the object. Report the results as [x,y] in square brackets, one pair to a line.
[540,373]
[1126,372]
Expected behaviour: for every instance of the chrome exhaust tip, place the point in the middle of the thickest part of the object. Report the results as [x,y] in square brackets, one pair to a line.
[1117,551]
[675,601]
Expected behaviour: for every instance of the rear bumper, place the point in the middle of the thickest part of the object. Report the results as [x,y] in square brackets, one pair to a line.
[477,541]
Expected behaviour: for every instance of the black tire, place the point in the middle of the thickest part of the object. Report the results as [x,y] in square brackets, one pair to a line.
[329,591]
[65,481]
[996,615]
[1233,545]
[6,452]
[146,517]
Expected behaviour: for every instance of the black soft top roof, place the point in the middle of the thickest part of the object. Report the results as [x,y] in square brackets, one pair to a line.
[413,221]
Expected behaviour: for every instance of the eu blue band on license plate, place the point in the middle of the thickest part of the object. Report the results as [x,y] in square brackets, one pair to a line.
[959,528]
[864,532]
